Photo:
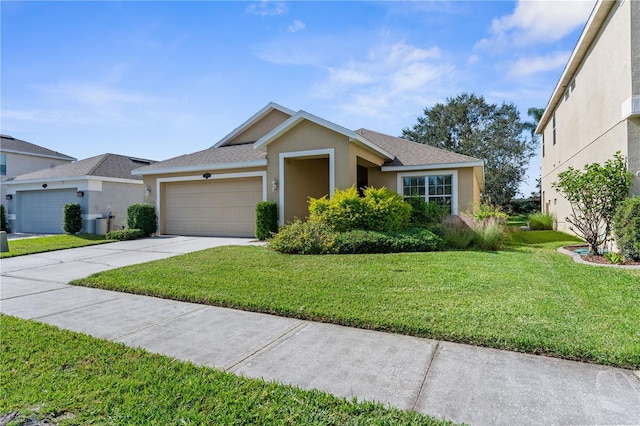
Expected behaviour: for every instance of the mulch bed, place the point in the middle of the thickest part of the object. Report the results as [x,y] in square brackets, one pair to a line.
[599,258]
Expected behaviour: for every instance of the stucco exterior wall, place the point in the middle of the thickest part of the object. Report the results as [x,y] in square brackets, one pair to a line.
[261,128]
[115,198]
[304,178]
[588,119]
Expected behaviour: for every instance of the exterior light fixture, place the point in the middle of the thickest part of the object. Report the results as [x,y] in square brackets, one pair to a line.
[80,194]
[206,175]
[274,185]
[44,185]
[147,191]
[8,197]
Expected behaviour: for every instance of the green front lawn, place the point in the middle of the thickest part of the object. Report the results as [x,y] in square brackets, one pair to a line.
[527,298]
[70,378]
[55,242]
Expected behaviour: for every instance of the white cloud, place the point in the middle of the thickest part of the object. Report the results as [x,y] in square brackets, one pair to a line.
[267,8]
[532,65]
[539,21]
[297,26]
[472,59]
[94,94]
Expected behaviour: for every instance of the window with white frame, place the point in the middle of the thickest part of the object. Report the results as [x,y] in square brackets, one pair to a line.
[434,188]
[3,164]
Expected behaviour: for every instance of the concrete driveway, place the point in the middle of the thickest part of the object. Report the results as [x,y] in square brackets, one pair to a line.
[460,382]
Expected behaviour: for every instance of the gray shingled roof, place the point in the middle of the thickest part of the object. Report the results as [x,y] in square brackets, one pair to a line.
[409,153]
[221,155]
[11,144]
[105,165]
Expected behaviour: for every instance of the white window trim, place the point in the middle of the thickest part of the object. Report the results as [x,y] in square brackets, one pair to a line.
[160,181]
[284,155]
[417,173]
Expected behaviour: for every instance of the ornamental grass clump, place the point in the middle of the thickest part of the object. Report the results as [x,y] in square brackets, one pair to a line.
[541,221]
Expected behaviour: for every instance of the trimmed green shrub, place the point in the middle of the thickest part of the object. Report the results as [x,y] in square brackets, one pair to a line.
[142,216]
[300,237]
[266,219]
[125,234]
[409,240]
[626,228]
[3,218]
[425,214]
[379,209]
[541,221]
[72,218]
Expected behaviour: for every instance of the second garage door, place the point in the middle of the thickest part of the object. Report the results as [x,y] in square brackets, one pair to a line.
[41,211]
[224,207]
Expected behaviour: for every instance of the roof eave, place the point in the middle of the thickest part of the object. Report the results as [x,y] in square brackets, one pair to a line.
[592,27]
[35,154]
[201,167]
[71,179]
[432,166]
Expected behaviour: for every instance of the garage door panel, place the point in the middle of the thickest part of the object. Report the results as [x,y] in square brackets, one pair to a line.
[221,207]
[41,211]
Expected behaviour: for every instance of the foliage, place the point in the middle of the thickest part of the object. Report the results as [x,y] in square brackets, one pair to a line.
[626,228]
[469,125]
[377,210]
[3,218]
[409,240]
[456,234]
[615,258]
[524,205]
[24,246]
[142,216]
[266,219]
[125,234]
[51,376]
[72,218]
[541,221]
[300,237]
[490,233]
[594,194]
[425,214]
[529,298]
[486,211]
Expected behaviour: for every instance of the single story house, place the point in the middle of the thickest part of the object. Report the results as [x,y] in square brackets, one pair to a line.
[18,157]
[103,185]
[287,156]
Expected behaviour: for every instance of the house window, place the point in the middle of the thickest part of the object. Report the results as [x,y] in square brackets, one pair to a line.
[554,129]
[573,84]
[3,164]
[542,142]
[434,188]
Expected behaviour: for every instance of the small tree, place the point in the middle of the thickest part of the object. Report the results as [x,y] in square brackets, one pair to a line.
[594,194]
[72,218]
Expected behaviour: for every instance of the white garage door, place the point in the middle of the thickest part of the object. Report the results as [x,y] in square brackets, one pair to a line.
[41,211]
[224,207]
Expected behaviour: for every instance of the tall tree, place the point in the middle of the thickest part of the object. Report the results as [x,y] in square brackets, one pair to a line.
[536,114]
[468,125]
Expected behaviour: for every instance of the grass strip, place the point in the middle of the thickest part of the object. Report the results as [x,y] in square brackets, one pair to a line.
[527,298]
[68,378]
[34,245]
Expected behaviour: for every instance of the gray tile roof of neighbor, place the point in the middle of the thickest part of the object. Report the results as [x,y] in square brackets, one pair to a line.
[409,153]
[105,165]
[225,154]
[11,144]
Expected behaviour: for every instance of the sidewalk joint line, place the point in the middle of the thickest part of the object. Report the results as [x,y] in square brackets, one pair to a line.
[76,308]
[426,374]
[66,286]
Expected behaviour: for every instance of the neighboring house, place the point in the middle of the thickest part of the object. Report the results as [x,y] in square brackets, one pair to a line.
[287,157]
[103,185]
[18,157]
[594,110]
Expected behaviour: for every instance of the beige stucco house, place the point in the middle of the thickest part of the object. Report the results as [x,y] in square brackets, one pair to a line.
[287,157]
[594,110]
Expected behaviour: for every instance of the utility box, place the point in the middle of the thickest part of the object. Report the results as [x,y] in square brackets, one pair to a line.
[102,225]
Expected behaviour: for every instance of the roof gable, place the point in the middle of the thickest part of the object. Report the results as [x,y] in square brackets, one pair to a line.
[300,116]
[257,126]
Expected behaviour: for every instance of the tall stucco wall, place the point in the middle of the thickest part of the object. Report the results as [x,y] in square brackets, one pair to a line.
[116,198]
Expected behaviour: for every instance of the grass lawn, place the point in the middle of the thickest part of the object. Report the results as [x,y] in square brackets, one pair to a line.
[24,246]
[70,378]
[526,298]
[517,219]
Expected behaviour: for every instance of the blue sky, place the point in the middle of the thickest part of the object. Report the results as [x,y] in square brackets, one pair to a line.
[161,79]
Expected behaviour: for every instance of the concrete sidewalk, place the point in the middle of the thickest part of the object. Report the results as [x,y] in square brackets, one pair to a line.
[462,383]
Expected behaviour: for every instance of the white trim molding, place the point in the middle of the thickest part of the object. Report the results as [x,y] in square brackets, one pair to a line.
[296,154]
[220,176]
[202,168]
[418,173]
[631,107]
[432,166]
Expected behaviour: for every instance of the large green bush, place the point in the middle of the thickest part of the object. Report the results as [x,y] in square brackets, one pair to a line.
[626,228]
[72,218]
[266,219]
[541,221]
[142,216]
[379,209]
[3,218]
[300,237]
[426,214]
